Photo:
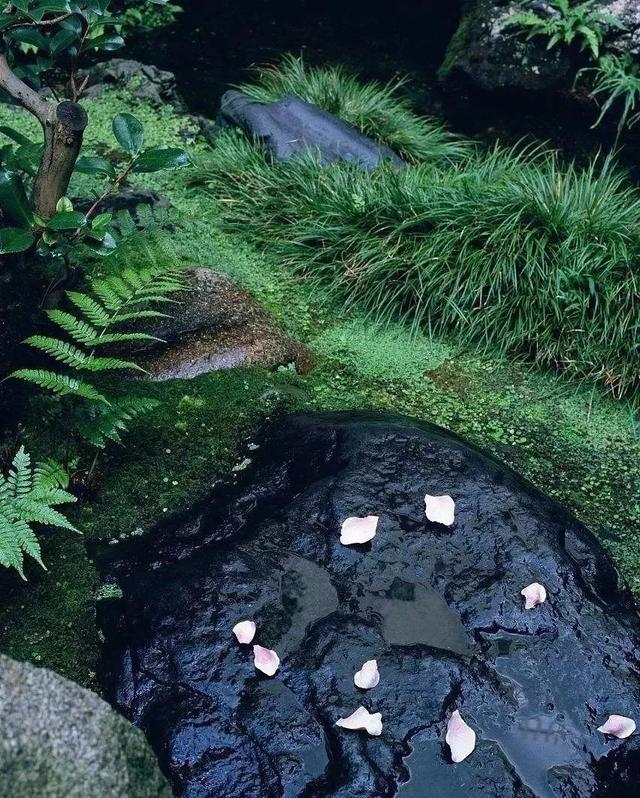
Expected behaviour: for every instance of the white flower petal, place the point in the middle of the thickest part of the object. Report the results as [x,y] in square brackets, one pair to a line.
[460,738]
[534,594]
[440,509]
[368,676]
[266,660]
[245,631]
[358,530]
[362,719]
[618,726]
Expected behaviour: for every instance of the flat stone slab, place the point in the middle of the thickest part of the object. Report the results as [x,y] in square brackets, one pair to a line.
[438,607]
[292,126]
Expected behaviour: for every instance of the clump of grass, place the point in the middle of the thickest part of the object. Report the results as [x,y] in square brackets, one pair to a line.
[507,249]
[376,109]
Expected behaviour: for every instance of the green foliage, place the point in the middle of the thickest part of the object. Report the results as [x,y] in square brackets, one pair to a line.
[99,320]
[584,23]
[377,110]
[617,80]
[29,496]
[144,17]
[507,250]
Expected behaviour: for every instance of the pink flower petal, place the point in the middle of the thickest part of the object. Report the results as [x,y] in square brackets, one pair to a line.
[460,738]
[368,676]
[245,631]
[358,530]
[618,726]
[361,719]
[534,594]
[266,660]
[440,509]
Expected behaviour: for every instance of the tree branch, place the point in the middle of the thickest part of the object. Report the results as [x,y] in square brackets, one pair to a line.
[23,94]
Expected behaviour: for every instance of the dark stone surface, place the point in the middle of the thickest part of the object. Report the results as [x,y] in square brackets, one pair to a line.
[218,325]
[489,55]
[439,608]
[291,126]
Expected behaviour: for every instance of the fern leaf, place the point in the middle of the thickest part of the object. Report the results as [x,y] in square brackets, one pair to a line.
[50,474]
[19,480]
[62,351]
[59,384]
[119,338]
[107,424]
[79,330]
[96,364]
[92,310]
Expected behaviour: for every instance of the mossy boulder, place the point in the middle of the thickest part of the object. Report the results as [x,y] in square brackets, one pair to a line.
[62,741]
[487,53]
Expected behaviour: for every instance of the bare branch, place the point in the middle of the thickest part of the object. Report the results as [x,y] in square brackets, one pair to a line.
[44,23]
[23,94]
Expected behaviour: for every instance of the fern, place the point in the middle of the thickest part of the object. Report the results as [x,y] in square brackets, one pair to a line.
[29,496]
[96,319]
[565,24]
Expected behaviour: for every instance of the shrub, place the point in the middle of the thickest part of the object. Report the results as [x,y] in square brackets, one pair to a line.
[375,109]
[506,249]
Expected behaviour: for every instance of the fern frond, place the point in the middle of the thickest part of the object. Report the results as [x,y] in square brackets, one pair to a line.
[29,496]
[107,423]
[79,330]
[59,384]
[62,351]
[96,364]
[92,310]
[120,338]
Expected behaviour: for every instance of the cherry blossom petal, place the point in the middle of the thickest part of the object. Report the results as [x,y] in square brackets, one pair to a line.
[534,594]
[460,738]
[245,631]
[368,676]
[618,726]
[358,530]
[440,509]
[361,719]
[266,660]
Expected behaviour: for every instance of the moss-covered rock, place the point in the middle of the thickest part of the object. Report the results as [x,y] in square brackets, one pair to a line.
[62,741]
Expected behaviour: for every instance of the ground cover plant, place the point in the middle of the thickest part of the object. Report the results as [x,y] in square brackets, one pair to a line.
[509,249]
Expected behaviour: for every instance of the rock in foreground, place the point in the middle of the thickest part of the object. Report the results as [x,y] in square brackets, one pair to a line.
[438,607]
[61,741]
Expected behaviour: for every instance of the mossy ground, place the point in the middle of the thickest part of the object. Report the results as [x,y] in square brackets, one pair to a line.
[570,442]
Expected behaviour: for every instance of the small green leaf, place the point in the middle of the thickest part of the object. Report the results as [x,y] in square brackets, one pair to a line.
[129,133]
[64,204]
[66,220]
[94,165]
[14,239]
[157,158]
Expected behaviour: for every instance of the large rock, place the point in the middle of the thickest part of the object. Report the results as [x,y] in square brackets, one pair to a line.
[217,325]
[488,54]
[438,607]
[61,741]
[291,126]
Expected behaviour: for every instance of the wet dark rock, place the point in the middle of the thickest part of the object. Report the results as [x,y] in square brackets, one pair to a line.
[126,199]
[439,608]
[144,81]
[488,54]
[62,741]
[291,126]
[218,325]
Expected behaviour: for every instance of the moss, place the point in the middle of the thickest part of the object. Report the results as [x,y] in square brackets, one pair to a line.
[462,39]
[571,443]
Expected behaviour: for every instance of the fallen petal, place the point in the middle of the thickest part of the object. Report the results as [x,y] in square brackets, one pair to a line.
[266,660]
[368,676]
[362,719]
[440,509]
[534,594]
[358,530]
[245,631]
[618,726]
[460,738]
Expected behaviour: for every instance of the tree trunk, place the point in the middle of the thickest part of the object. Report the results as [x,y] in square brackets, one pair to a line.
[63,132]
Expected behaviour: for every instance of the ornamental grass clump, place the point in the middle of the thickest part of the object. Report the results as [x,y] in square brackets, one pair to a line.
[507,249]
